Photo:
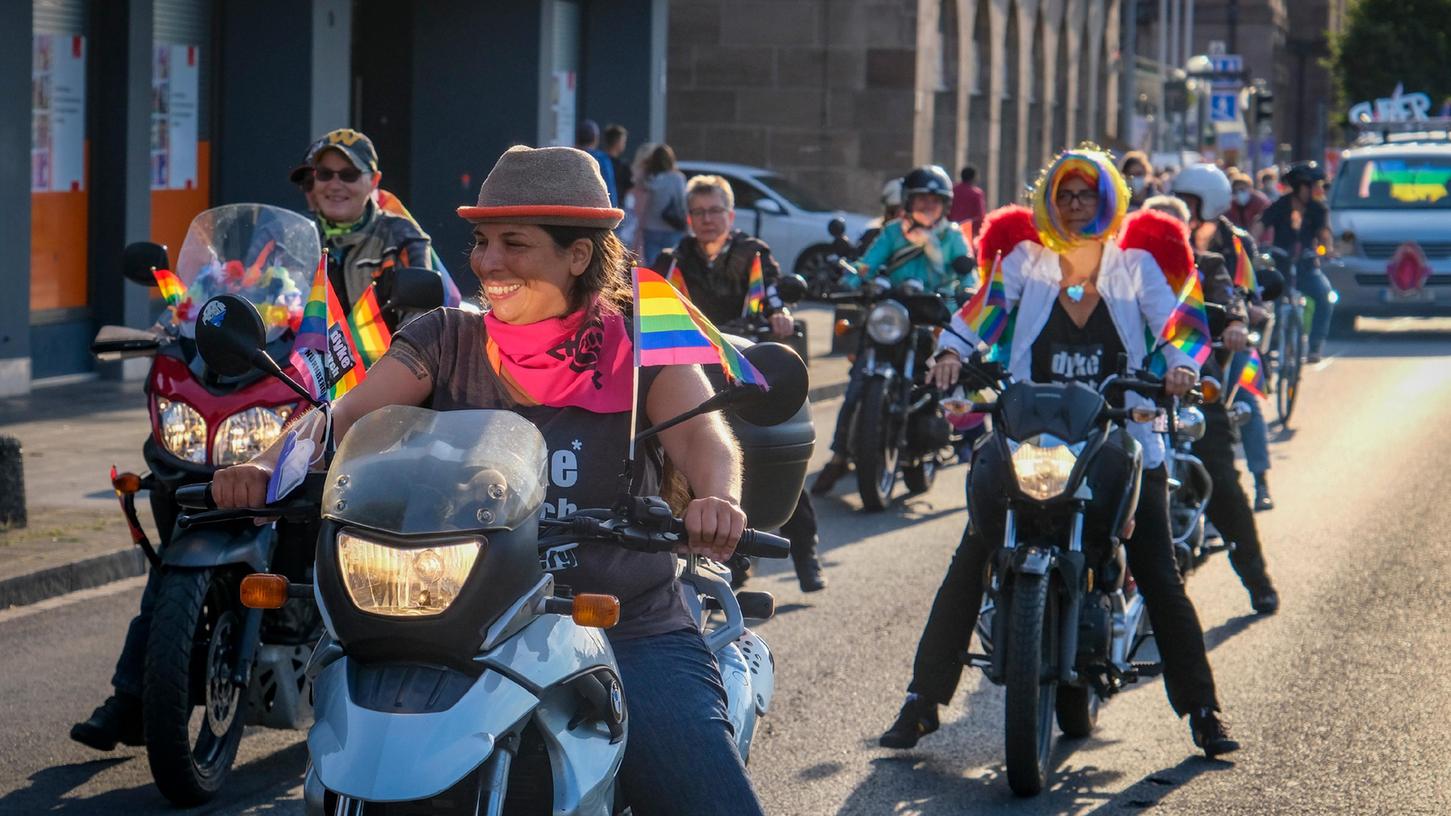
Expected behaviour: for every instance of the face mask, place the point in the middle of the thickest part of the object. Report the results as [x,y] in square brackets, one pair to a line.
[1136,184]
[1242,197]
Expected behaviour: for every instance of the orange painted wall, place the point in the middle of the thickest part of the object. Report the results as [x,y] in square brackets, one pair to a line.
[173,210]
[59,224]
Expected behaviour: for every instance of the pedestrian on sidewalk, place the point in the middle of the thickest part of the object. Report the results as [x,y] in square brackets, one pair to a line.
[967,201]
[587,138]
[663,219]
[613,144]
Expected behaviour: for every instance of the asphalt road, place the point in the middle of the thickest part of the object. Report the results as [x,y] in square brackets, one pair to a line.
[1342,700]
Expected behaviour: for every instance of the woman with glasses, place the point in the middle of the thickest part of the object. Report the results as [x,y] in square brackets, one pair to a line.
[1080,299]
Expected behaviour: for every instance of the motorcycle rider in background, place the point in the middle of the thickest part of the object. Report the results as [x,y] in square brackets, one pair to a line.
[1299,223]
[1206,191]
[922,249]
[1077,290]
[711,265]
[891,211]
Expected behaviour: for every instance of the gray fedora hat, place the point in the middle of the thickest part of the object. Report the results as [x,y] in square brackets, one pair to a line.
[552,186]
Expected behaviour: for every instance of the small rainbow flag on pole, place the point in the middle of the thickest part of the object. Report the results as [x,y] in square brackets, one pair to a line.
[1252,375]
[671,331]
[170,285]
[1244,271]
[987,313]
[1187,329]
[324,351]
[676,278]
[370,332]
[755,289]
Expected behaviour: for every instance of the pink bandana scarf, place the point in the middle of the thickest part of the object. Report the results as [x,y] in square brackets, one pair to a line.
[581,360]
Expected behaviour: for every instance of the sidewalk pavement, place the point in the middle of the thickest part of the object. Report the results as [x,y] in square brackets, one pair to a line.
[72,434]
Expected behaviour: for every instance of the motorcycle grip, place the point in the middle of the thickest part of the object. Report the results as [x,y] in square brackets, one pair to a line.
[759,544]
[196,497]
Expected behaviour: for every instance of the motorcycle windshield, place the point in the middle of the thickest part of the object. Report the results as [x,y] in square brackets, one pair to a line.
[265,254]
[413,471]
[1068,411]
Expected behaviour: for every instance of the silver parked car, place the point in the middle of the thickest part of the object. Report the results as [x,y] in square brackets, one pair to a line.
[1390,213]
[773,208]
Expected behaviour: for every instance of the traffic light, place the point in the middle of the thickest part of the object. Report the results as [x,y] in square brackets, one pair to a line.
[1264,102]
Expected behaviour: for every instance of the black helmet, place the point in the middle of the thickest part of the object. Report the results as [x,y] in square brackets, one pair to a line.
[1305,172]
[928,178]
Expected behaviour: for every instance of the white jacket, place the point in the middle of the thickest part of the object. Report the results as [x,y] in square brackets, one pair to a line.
[1129,282]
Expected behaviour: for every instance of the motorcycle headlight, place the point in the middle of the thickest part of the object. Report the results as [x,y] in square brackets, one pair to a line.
[183,431]
[404,582]
[888,322]
[244,435]
[1190,424]
[1043,466]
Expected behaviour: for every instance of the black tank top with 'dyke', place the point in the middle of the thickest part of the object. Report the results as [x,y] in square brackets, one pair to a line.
[1066,352]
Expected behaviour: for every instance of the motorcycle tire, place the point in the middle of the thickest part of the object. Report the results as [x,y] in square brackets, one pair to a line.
[1077,711]
[918,478]
[196,630]
[1292,359]
[874,446]
[819,272]
[1030,698]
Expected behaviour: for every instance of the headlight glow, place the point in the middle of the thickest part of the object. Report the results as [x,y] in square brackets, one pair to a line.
[888,322]
[404,583]
[245,434]
[183,431]
[1043,470]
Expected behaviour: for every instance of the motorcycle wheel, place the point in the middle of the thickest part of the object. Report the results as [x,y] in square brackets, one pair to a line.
[1292,356]
[192,712]
[1030,697]
[918,478]
[818,272]
[1077,711]
[874,446]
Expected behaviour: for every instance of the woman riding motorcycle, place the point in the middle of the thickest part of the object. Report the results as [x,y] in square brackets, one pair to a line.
[921,249]
[1079,300]
[555,348]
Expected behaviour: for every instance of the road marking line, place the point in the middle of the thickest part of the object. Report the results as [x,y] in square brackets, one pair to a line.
[17,612]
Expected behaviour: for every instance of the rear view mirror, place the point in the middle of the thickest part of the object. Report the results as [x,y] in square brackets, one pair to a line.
[791,288]
[769,206]
[415,288]
[229,335]
[138,259]
[123,343]
[837,227]
[786,373]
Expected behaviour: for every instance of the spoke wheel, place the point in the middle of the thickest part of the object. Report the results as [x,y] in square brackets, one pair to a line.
[874,447]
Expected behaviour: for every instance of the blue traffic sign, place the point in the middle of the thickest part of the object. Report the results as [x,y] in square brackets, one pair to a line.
[1224,107]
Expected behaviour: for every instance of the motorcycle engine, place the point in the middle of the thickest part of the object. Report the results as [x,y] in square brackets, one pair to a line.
[928,430]
[1095,625]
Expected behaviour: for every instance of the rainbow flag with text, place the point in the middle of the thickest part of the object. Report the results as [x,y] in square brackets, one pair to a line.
[325,353]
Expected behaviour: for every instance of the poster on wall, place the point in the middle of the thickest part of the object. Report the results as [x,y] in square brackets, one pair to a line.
[57,113]
[174,81]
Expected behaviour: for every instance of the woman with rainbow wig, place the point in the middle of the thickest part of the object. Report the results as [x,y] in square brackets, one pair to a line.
[1081,295]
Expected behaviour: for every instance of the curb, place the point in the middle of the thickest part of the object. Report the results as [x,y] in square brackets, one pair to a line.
[66,578]
[821,393]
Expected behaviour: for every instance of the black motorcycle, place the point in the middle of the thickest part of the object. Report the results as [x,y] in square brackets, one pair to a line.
[1056,481]
[898,423]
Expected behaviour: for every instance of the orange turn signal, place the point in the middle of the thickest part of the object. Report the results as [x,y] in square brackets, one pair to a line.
[601,611]
[842,327]
[1211,389]
[1143,414]
[263,590]
[126,483]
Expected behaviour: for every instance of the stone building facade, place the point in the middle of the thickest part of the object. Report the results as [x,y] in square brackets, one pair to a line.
[843,94]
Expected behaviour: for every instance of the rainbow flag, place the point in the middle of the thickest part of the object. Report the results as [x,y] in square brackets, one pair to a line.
[755,289]
[170,285]
[987,313]
[676,278]
[1252,375]
[1187,329]
[324,351]
[1244,271]
[671,331]
[370,332]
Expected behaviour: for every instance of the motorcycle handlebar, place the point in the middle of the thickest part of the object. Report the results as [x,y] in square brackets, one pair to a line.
[196,497]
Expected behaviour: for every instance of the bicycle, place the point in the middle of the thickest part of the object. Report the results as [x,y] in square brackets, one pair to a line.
[1284,350]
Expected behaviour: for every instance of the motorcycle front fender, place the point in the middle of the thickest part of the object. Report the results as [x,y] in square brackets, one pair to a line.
[380,756]
[221,545]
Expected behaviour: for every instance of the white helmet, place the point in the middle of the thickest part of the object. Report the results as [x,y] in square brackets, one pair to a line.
[892,193]
[1209,184]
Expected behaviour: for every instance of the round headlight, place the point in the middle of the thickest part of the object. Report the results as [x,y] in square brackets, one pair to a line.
[183,431]
[1191,423]
[244,435]
[888,322]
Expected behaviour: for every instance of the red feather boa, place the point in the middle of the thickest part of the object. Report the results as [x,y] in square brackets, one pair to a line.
[1002,231]
[1166,238]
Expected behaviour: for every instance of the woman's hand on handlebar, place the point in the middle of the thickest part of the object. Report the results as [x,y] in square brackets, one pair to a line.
[714,526]
[1235,337]
[782,325]
[1179,381]
[241,486]
[945,371]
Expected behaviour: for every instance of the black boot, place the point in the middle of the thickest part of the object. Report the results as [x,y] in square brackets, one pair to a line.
[808,566]
[1211,733]
[917,719]
[826,479]
[116,720]
[1263,500]
[1263,598]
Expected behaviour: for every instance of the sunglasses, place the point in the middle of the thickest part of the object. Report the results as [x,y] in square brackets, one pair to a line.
[347,174]
[1087,198]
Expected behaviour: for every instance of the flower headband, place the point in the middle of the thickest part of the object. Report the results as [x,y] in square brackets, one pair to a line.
[1094,165]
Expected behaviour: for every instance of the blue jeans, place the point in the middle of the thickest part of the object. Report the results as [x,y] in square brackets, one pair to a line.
[681,755]
[1313,284]
[1254,434]
[841,438]
[657,241]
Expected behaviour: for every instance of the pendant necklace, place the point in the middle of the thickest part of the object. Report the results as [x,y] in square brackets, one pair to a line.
[1075,292]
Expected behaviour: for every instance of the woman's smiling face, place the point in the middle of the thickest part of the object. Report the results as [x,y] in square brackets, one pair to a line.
[526,277]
